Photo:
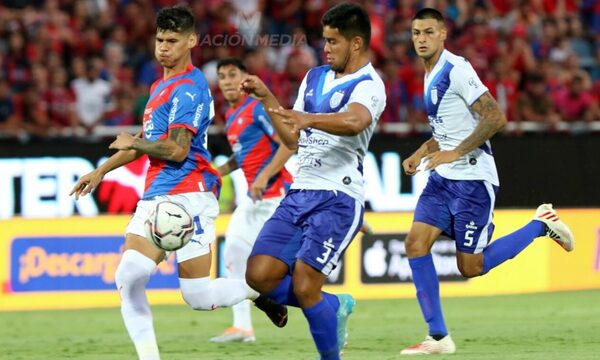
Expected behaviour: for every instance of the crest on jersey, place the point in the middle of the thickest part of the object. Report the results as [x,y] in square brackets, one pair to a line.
[434,97]
[336,99]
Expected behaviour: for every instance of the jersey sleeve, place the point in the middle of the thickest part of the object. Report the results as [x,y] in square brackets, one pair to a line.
[299,104]
[371,95]
[466,83]
[191,106]
[262,119]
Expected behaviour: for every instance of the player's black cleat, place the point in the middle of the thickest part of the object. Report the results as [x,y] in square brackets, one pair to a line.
[277,313]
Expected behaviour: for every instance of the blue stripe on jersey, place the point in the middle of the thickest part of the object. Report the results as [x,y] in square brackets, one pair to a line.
[317,102]
[238,111]
[486,148]
[441,83]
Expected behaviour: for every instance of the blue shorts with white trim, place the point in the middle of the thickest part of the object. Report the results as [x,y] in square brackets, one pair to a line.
[462,209]
[315,226]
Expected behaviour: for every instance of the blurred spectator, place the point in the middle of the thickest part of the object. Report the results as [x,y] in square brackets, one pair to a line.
[576,103]
[32,112]
[534,103]
[396,109]
[60,101]
[122,115]
[92,96]
[9,121]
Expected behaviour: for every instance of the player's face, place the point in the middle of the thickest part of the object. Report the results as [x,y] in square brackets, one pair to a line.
[230,77]
[337,49]
[428,37]
[171,48]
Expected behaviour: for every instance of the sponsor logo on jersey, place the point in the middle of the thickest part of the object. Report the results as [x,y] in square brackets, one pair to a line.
[199,109]
[173,110]
[471,225]
[310,92]
[192,96]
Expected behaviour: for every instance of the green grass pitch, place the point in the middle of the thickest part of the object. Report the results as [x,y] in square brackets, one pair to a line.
[543,326]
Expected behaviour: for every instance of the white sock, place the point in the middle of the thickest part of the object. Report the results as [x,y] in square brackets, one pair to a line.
[206,294]
[131,278]
[241,315]
[236,254]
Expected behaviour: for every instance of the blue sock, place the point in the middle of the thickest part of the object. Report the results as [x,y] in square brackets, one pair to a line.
[428,293]
[284,294]
[507,247]
[322,322]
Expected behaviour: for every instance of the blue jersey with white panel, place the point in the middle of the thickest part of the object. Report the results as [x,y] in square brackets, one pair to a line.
[332,162]
[451,88]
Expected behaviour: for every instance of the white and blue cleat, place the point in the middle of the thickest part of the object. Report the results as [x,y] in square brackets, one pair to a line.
[347,303]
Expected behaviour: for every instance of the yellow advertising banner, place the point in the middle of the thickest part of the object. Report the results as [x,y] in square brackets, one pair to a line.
[70,262]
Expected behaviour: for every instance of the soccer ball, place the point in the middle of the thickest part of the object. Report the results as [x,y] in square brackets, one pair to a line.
[169,226]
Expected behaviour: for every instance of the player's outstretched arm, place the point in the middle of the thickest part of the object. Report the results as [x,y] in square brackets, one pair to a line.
[259,185]
[255,87]
[174,148]
[491,120]
[90,181]
[345,123]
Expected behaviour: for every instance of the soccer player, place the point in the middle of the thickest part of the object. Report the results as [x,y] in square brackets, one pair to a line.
[332,121]
[459,197]
[257,152]
[176,118]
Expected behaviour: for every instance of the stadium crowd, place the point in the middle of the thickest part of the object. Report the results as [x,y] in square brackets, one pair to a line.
[68,67]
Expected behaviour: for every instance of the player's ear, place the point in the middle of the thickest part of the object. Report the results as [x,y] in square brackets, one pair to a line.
[357,43]
[192,40]
[443,33]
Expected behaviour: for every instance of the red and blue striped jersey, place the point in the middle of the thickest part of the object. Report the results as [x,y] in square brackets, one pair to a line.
[182,100]
[252,139]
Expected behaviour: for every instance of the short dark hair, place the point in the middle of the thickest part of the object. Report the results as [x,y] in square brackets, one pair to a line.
[429,13]
[231,61]
[351,20]
[177,19]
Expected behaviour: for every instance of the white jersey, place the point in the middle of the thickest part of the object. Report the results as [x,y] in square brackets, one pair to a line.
[332,162]
[451,88]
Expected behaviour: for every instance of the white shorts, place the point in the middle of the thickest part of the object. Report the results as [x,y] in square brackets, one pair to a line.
[201,204]
[248,219]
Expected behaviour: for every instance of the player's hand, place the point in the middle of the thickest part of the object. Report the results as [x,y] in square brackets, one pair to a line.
[295,119]
[441,157]
[259,186]
[124,141]
[86,184]
[411,164]
[254,86]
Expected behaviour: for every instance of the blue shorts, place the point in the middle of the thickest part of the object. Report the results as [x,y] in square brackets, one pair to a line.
[462,209]
[315,226]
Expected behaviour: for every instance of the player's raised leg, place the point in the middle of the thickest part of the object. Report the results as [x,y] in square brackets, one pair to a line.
[544,223]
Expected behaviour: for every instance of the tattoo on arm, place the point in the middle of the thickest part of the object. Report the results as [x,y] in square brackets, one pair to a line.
[179,138]
[491,119]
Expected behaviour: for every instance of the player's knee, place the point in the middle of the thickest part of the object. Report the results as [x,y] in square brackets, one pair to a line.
[199,297]
[129,274]
[414,248]
[470,270]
